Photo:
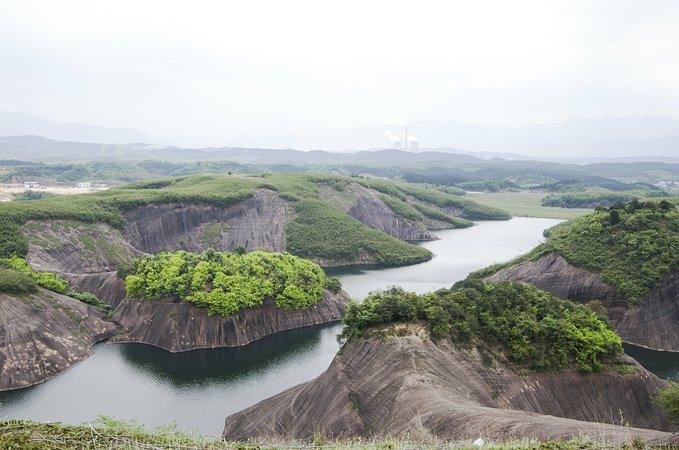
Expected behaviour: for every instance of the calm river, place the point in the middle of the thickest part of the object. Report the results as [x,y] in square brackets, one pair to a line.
[198,389]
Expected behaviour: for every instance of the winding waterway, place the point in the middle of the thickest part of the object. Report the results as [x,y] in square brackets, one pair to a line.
[198,389]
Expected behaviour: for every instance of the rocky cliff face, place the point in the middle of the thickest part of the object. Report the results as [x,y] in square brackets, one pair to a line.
[178,326]
[78,247]
[256,223]
[366,206]
[407,385]
[44,334]
[105,285]
[373,212]
[652,323]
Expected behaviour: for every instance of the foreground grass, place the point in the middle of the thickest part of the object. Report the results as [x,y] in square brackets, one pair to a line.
[111,434]
[525,204]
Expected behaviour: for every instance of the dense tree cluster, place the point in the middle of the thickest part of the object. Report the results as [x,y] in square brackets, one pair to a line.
[225,283]
[303,191]
[532,327]
[595,198]
[633,245]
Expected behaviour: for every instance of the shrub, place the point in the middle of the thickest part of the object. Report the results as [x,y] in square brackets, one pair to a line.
[668,399]
[48,280]
[225,283]
[14,282]
[90,299]
[12,240]
[334,285]
[532,327]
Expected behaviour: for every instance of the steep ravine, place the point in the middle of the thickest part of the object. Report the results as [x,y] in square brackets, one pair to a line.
[651,323]
[45,333]
[407,385]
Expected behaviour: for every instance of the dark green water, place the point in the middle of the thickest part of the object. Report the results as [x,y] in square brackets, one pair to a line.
[663,364]
[198,389]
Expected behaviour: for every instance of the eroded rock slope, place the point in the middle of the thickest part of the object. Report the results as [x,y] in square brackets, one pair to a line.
[178,326]
[407,385]
[650,323]
[43,334]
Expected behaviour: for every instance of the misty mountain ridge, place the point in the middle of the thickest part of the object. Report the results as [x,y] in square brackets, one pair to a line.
[653,137]
[13,123]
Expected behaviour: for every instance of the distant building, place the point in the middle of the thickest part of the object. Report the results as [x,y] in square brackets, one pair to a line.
[84,185]
[32,185]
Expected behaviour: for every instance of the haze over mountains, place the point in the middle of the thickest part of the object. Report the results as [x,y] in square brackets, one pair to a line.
[13,123]
[636,136]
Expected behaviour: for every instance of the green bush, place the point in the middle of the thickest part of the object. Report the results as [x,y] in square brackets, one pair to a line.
[333,284]
[531,327]
[14,282]
[48,280]
[225,283]
[12,240]
[668,399]
[90,299]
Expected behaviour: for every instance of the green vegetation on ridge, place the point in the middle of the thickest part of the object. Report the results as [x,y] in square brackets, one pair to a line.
[15,282]
[530,326]
[225,283]
[595,198]
[633,246]
[224,190]
[323,232]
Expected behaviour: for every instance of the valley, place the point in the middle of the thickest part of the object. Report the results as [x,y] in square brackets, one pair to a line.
[212,291]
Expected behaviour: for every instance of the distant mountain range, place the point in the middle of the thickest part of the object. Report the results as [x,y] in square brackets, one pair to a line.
[602,137]
[18,123]
[640,137]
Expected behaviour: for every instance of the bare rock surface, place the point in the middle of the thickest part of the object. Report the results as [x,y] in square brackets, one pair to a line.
[179,326]
[71,246]
[373,212]
[256,223]
[366,206]
[43,334]
[105,285]
[409,386]
[651,323]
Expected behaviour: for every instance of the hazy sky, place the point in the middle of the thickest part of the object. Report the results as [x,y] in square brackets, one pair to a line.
[217,69]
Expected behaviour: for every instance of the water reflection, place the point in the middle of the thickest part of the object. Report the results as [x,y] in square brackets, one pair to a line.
[205,366]
[196,390]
